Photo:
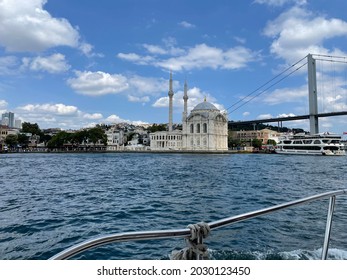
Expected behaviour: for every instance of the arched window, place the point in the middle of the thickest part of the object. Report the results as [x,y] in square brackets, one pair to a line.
[198,128]
[204,128]
[192,128]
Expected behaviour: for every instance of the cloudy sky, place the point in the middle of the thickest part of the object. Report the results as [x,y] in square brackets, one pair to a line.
[71,65]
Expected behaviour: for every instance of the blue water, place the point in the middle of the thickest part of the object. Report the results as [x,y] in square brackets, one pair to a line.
[49,202]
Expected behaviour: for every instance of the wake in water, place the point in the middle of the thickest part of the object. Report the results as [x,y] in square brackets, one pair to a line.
[333,254]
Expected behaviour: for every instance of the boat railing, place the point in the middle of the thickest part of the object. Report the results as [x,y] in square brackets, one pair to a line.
[186,233]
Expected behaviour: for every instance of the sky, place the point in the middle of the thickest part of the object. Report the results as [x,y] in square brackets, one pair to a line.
[72,64]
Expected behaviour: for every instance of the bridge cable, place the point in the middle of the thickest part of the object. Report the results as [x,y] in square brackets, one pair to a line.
[267,88]
[274,78]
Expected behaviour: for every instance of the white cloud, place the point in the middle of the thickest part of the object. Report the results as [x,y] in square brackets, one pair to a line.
[298,32]
[143,99]
[116,119]
[148,85]
[240,40]
[136,88]
[26,26]
[198,57]
[87,49]
[154,49]
[58,109]
[186,24]
[279,3]
[3,104]
[95,116]
[98,83]
[265,116]
[285,95]
[63,116]
[8,65]
[246,114]
[55,63]
[270,116]
[195,96]
[286,115]
[133,57]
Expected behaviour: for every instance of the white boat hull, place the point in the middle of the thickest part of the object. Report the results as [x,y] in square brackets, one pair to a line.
[303,152]
[320,144]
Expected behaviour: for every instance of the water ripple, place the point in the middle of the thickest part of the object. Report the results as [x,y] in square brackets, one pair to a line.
[49,202]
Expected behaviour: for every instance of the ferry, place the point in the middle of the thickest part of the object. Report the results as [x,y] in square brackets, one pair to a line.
[325,144]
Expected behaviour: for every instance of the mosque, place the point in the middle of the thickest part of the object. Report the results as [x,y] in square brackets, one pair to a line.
[204,129]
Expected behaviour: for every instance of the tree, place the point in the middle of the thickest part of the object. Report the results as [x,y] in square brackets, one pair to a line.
[59,140]
[271,142]
[11,140]
[157,127]
[257,143]
[23,140]
[80,137]
[95,134]
[32,128]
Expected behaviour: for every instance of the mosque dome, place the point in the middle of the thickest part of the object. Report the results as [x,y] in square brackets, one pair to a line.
[205,106]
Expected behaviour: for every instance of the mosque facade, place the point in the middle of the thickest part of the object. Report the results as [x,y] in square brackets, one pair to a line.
[205,128]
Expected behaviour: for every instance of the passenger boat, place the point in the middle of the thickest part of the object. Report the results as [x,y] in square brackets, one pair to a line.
[305,144]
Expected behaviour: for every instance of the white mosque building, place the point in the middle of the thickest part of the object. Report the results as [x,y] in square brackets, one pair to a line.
[204,129]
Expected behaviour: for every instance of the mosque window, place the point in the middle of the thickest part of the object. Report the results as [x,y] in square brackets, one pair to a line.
[198,128]
[204,128]
[192,128]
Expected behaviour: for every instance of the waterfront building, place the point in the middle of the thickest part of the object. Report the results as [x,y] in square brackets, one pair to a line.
[166,140]
[115,139]
[4,132]
[246,136]
[204,129]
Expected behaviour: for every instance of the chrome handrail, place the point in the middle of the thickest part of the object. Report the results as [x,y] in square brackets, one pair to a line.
[161,234]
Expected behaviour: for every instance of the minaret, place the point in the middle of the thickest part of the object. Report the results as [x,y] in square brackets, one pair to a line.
[185,98]
[171,93]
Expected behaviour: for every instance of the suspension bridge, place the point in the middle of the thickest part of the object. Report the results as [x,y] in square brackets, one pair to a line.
[313,115]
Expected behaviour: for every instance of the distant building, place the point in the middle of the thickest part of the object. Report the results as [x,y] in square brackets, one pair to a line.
[204,129]
[8,119]
[246,136]
[115,139]
[18,124]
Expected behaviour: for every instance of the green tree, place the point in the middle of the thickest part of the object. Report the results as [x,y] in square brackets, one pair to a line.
[11,140]
[157,127]
[59,140]
[23,140]
[257,143]
[95,134]
[80,137]
[31,128]
[271,142]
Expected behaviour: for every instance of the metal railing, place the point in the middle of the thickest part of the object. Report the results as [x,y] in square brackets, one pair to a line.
[185,233]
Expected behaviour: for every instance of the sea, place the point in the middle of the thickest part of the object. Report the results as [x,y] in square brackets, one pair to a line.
[51,201]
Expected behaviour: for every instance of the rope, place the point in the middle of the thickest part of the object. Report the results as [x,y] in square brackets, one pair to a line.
[194,248]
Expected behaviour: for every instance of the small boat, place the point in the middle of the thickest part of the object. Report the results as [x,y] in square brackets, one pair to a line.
[325,144]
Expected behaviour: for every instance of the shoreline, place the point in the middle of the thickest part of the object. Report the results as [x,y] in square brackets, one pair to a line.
[138,152]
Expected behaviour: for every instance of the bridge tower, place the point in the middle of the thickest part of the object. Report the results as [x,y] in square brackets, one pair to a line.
[312,94]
